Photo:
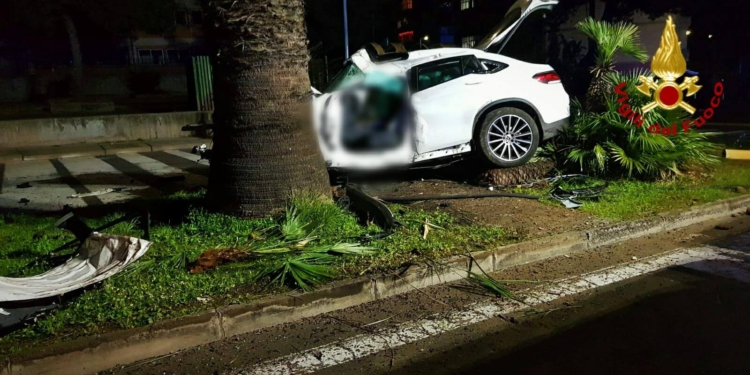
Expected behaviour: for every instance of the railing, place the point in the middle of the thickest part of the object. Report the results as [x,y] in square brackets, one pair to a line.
[204,88]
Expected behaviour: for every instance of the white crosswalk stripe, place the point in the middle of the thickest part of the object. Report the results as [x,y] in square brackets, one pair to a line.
[718,261]
[49,191]
[96,176]
[155,167]
[44,193]
[187,156]
[36,170]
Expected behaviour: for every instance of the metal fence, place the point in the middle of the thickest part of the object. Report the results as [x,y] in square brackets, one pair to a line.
[204,88]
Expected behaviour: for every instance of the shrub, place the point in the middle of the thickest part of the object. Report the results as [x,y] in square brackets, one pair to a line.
[609,145]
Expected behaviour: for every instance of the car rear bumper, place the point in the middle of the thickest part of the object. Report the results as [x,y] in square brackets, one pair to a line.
[552,129]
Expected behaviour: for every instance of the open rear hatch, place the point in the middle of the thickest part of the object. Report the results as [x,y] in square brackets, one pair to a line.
[498,38]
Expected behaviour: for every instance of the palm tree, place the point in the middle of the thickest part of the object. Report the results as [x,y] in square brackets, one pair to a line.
[610,38]
[264,146]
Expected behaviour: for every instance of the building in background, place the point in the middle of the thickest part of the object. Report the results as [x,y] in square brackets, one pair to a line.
[650,30]
[463,23]
[175,49]
[457,23]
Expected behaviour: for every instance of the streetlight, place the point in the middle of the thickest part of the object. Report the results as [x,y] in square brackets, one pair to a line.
[426,39]
[346,31]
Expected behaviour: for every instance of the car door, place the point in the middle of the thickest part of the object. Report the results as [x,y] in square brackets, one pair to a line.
[446,95]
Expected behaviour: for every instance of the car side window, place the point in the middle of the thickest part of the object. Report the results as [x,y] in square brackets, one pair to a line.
[438,73]
[493,66]
[471,65]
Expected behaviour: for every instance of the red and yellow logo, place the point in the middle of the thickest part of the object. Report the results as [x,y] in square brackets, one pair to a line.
[669,65]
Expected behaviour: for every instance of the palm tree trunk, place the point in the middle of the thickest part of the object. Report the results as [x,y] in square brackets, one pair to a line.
[264,146]
[75,51]
[596,95]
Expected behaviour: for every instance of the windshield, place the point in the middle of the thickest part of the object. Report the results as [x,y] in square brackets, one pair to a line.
[349,75]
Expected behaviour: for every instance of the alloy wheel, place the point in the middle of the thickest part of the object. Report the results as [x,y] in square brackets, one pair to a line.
[510,138]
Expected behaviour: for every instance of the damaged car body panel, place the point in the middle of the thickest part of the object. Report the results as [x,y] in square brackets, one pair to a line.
[99,257]
[397,109]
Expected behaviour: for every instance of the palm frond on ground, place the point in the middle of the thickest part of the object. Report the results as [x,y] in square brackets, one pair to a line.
[305,271]
[489,284]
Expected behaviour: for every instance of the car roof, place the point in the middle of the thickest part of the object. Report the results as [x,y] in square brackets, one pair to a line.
[424,56]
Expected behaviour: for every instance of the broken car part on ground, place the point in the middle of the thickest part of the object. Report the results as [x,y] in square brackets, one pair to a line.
[98,257]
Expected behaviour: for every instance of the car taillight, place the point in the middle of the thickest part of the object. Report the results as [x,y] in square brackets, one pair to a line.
[547,77]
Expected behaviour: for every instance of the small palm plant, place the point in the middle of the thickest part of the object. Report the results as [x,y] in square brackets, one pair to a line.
[610,38]
[607,144]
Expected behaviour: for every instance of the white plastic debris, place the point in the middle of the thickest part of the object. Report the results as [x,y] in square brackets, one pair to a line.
[570,204]
[98,258]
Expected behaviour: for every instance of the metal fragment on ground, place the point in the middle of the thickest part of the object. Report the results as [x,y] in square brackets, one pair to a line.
[100,257]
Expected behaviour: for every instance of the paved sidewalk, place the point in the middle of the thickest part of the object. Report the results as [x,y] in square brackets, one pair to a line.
[100,179]
[29,153]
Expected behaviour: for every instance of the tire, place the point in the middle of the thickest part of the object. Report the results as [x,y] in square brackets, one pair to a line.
[508,137]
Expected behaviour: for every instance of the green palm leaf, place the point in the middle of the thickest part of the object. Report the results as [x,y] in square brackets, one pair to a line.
[611,38]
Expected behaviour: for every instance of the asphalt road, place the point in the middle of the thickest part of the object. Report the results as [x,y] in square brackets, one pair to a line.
[676,303]
[677,321]
[674,321]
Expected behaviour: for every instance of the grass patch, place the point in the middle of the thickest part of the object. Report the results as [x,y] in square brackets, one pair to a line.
[631,199]
[313,242]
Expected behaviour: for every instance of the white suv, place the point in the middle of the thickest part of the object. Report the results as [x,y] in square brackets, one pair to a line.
[403,109]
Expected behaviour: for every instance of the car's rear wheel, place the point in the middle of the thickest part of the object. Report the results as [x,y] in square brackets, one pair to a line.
[508,137]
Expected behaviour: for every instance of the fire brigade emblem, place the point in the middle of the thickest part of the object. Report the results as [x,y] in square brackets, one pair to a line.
[669,65]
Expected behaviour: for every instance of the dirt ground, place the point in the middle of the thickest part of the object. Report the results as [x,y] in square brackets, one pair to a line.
[528,217]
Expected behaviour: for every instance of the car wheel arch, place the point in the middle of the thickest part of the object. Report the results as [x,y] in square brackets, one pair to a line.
[521,104]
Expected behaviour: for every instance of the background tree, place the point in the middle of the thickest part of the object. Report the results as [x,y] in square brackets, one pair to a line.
[104,19]
[264,146]
[574,69]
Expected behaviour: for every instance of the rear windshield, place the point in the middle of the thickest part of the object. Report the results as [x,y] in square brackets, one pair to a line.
[351,74]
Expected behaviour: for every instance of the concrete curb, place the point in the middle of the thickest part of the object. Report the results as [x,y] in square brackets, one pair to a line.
[89,355]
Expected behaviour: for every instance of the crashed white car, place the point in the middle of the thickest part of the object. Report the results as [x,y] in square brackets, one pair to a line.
[407,108]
